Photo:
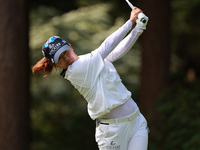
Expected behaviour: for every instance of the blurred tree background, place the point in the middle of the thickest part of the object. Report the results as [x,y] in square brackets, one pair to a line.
[59,118]
[14,76]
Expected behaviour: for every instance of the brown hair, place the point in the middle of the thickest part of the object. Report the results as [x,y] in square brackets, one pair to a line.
[45,65]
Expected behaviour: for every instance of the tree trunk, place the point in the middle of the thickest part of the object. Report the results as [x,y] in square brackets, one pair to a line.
[14,75]
[155,55]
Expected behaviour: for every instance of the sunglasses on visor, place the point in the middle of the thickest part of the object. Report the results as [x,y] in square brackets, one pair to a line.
[50,40]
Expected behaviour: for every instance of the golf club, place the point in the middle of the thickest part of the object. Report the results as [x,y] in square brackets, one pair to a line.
[131,6]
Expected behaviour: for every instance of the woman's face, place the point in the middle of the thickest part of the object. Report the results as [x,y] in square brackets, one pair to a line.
[66,58]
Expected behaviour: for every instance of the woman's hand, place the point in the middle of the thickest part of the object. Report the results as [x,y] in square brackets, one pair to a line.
[134,14]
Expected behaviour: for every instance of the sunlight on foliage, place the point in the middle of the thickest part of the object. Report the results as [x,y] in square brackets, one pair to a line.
[85,29]
[57,107]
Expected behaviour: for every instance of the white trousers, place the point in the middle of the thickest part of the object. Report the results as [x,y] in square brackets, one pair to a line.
[129,135]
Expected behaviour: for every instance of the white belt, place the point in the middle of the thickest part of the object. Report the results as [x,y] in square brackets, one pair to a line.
[119,120]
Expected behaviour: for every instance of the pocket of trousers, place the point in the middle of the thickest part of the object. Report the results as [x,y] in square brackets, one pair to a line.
[101,132]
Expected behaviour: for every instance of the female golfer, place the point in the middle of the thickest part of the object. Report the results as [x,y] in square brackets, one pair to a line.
[120,125]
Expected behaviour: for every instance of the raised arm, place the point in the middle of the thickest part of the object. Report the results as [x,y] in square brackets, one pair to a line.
[125,45]
[113,40]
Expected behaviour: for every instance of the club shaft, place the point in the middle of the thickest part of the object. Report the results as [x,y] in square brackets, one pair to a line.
[129,3]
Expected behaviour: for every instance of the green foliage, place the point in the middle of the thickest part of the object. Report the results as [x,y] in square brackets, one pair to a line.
[58,112]
[186,33]
[179,109]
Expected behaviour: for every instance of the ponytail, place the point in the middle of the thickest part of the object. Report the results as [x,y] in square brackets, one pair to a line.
[45,65]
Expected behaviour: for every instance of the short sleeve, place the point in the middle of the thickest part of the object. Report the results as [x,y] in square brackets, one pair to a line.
[85,71]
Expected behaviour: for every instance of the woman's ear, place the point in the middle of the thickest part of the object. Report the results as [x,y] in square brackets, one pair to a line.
[70,46]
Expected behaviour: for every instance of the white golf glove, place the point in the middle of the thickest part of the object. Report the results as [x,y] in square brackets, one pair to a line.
[142,21]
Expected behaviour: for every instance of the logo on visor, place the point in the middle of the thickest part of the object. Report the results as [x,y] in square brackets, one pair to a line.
[54,47]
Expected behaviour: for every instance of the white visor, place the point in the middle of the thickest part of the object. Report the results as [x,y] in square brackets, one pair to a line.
[59,52]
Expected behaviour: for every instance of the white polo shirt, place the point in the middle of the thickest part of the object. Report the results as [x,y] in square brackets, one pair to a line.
[96,78]
[98,81]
